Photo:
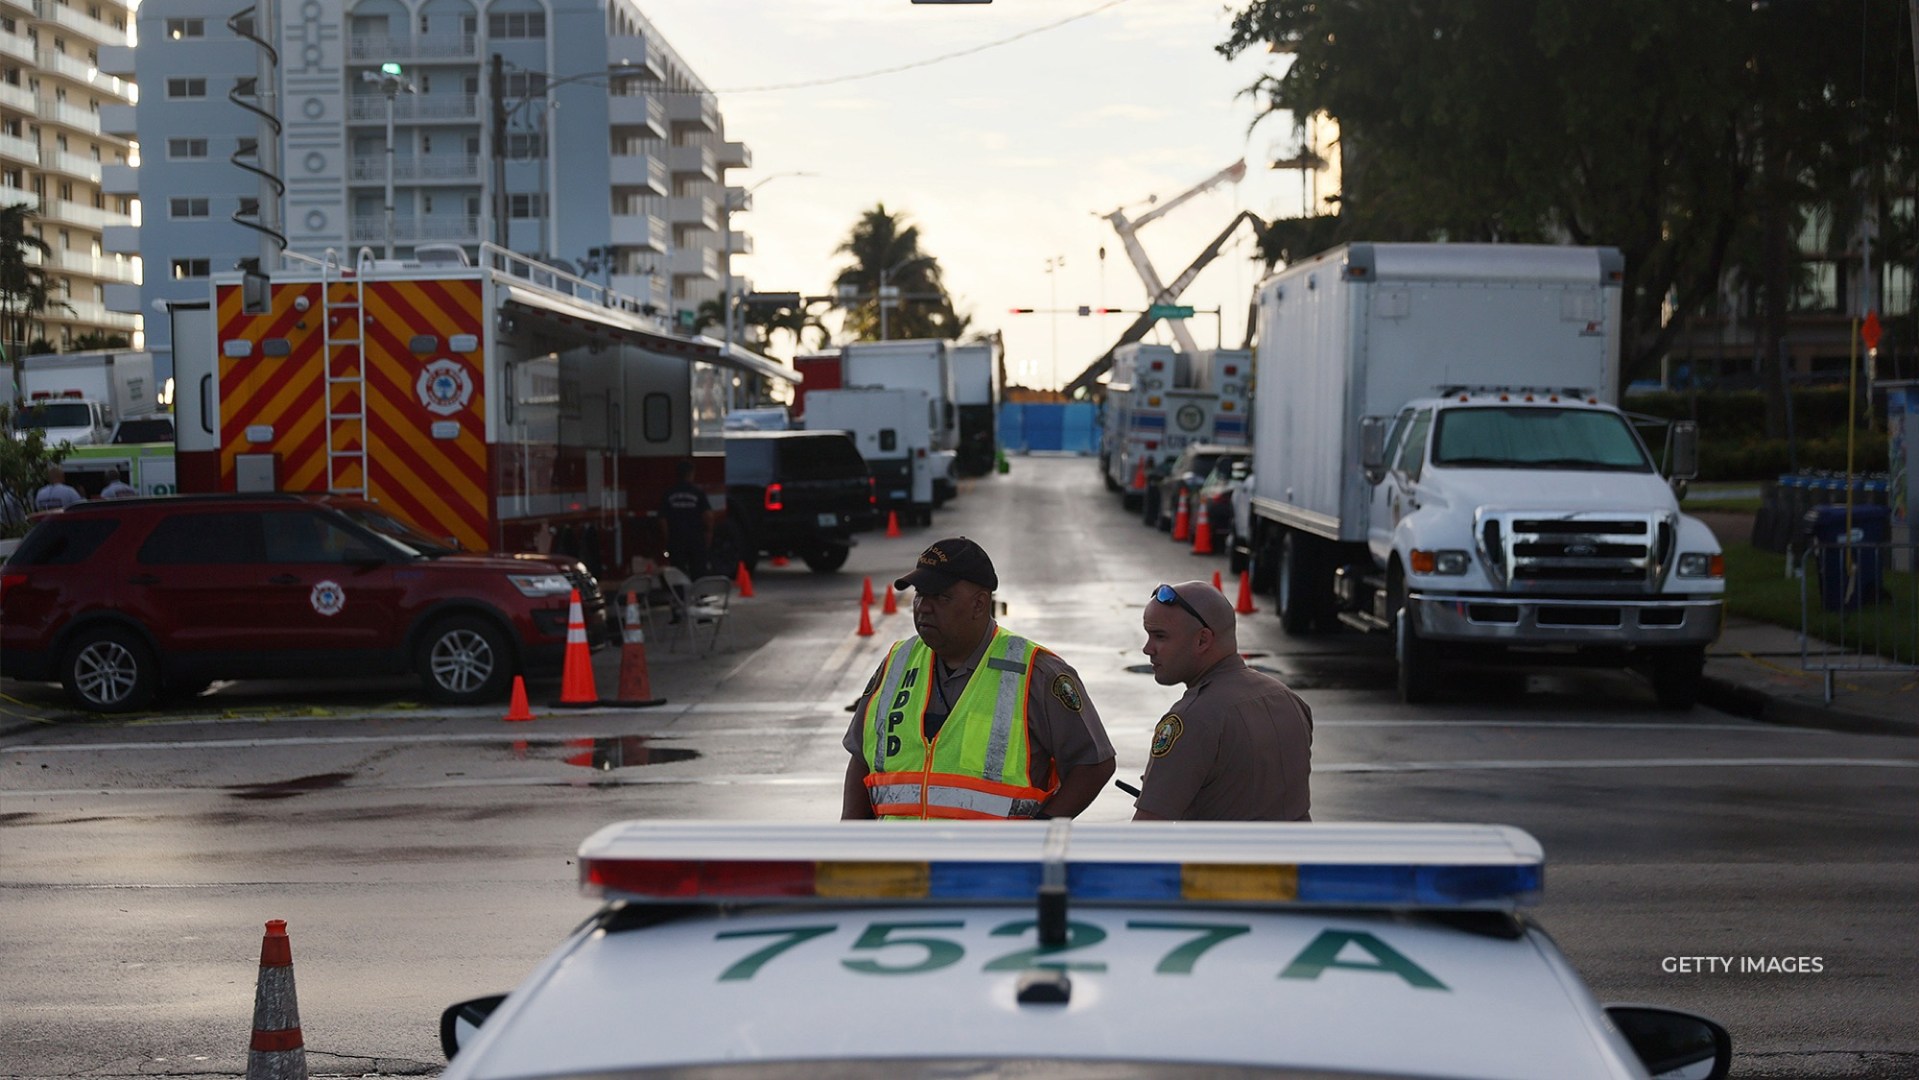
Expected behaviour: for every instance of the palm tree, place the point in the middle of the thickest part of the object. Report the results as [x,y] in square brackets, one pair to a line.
[886,251]
[25,290]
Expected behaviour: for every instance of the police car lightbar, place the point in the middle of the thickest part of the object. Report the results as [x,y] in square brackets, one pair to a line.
[1455,867]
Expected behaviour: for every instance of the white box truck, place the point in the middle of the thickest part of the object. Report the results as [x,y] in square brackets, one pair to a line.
[913,364]
[976,390]
[79,397]
[892,430]
[1437,453]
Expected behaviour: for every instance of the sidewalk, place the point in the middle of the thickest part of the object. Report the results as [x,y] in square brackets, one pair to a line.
[1755,671]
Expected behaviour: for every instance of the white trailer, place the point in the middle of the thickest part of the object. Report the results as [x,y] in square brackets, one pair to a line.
[892,429]
[917,364]
[976,389]
[1436,454]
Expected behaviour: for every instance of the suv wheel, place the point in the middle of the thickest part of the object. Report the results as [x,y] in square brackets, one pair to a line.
[825,558]
[109,669]
[464,660]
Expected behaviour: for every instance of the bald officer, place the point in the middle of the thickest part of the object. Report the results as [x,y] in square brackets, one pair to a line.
[1238,746]
[967,720]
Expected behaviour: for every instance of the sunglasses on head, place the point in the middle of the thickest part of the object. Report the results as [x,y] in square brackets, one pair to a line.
[1166,594]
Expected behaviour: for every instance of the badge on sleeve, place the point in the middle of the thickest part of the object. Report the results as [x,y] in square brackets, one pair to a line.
[1167,733]
[1067,693]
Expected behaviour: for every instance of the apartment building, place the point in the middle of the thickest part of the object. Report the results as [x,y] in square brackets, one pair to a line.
[613,161]
[54,154]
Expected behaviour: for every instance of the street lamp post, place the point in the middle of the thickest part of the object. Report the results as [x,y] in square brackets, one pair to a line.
[390,79]
[891,292]
[1052,276]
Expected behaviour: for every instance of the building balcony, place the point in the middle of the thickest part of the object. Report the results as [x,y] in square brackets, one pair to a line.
[696,210]
[120,179]
[637,55]
[371,108]
[103,267]
[72,116]
[90,28]
[377,48]
[91,217]
[641,289]
[644,171]
[742,243]
[116,60]
[15,148]
[407,229]
[646,232]
[693,162]
[71,164]
[17,9]
[696,262]
[372,169]
[120,239]
[19,98]
[80,71]
[18,47]
[735,155]
[91,313]
[118,120]
[644,111]
[696,112]
[121,297]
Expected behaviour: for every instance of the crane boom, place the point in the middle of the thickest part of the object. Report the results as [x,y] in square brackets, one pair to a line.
[1156,291]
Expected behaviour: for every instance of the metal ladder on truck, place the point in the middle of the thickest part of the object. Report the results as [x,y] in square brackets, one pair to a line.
[343,306]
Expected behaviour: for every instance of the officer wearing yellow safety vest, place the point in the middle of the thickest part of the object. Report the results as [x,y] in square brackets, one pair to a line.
[967,720]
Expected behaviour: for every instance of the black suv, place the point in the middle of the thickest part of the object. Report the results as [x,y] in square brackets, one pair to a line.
[798,493]
[128,599]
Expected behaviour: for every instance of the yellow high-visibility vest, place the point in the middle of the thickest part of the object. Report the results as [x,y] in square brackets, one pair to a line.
[977,766]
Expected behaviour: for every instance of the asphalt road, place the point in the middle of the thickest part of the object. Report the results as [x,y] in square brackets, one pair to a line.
[422,855]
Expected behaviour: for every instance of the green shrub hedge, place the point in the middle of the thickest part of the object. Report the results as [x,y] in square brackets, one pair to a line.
[1732,427]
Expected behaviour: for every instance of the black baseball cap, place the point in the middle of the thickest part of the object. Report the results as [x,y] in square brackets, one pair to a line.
[948,561]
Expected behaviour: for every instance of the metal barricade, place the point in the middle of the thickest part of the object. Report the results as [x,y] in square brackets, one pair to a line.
[1859,608]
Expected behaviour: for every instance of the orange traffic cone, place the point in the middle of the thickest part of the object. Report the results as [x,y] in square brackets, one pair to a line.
[1139,476]
[1217,587]
[892,606]
[1182,520]
[866,621]
[1203,536]
[517,711]
[1245,605]
[636,689]
[576,678]
[892,524]
[743,581]
[277,1051]
[866,591]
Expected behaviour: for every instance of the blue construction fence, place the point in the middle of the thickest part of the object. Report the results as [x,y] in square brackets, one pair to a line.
[1071,428]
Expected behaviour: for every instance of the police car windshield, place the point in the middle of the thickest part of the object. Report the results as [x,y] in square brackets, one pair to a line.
[399,533]
[1064,1068]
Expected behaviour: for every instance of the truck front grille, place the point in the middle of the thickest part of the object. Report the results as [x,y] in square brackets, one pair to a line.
[1572,552]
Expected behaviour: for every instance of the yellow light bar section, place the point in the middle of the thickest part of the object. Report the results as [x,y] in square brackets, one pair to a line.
[856,881]
[1254,883]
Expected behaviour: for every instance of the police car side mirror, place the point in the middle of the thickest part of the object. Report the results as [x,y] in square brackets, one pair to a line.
[1674,1045]
[459,1023]
[1372,447]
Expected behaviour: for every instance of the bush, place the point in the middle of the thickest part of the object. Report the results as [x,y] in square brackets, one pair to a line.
[1732,442]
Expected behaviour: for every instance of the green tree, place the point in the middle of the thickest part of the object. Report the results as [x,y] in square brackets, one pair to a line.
[1647,125]
[23,468]
[883,245]
[98,340]
[25,290]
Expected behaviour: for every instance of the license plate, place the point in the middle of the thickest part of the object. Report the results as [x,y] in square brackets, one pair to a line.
[827,521]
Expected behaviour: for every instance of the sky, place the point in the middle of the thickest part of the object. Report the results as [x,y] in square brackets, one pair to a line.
[1006,157]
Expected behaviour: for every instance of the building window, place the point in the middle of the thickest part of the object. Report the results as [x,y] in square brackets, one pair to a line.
[473,145]
[472,84]
[426,204]
[183,149]
[249,206]
[426,83]
[516,24]
[525,206]
[186,28]
[186,88]
[525,84]
[184,208]
[426,144]
[191,268]
[525,146]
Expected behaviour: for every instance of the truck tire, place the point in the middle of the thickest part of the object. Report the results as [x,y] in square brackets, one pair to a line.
[1412,654]
[825,558]
[465,660]
[1300,583]
[109,669]
[1149,506]
[1261,559]
[1676,674]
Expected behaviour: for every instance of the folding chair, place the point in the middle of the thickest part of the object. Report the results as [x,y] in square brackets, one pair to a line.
[707,601]
[678,588]
[643,586]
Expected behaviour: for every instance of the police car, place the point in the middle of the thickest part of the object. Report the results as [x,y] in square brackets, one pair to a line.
[1050,949]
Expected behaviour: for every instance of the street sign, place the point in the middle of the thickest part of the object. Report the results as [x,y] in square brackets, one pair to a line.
[686,317]
[1170,311]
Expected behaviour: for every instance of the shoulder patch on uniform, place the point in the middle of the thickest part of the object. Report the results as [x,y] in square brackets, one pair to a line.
[1068,693]
[1170,728]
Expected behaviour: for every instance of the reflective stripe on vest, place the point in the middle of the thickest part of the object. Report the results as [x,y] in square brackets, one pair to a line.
[978,765]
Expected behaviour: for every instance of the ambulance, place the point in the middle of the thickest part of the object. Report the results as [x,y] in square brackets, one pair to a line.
[505,406]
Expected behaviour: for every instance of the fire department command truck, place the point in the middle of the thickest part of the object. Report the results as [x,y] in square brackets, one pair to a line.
[1158,400]
[506,406]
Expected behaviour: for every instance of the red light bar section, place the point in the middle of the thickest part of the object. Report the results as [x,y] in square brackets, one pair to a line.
[691,879]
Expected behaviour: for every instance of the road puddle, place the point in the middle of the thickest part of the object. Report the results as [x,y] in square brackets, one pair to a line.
[287,789]
[626,752]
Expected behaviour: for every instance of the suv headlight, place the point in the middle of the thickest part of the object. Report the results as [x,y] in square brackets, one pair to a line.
[1450,563]
[1700,564]
[537,585]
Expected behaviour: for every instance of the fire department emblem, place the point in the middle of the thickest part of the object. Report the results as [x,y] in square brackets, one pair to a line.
[328,598]
[445,387]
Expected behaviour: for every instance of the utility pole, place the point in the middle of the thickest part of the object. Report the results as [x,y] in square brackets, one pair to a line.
[496,89]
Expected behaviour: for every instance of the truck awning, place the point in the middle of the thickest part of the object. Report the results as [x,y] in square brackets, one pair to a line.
[617,324]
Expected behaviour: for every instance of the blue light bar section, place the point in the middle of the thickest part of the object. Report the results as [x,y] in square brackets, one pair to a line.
[1425,886]
[982,880]
[1123,881]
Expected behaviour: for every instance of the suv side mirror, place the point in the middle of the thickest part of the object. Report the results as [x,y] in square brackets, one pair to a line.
[1372,447]
[1685,450]
[1674,1045]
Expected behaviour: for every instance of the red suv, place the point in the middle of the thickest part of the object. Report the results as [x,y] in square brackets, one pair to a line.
[127,599]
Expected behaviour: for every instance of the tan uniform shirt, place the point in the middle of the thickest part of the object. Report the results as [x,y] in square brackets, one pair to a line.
[1237,747]
[1065,729]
